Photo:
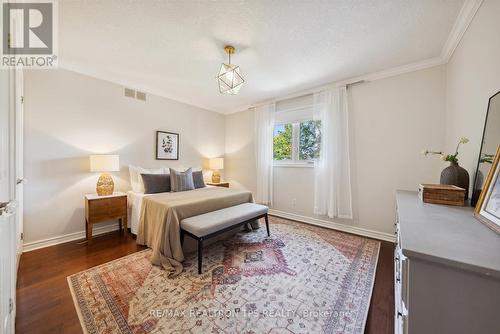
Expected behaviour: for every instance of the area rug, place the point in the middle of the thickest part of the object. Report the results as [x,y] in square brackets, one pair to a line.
[303,279]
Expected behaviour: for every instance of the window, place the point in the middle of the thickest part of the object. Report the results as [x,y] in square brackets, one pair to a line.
[297,142]
[309,140]
[282,142]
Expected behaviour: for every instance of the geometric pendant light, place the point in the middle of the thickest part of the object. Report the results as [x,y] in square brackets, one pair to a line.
[229,78]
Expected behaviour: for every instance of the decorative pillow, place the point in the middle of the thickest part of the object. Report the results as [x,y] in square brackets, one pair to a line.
[198,179]
[156,183]
[181,181]
[136,179]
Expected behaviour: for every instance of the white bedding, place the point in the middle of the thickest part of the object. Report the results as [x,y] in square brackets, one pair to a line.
[134,200]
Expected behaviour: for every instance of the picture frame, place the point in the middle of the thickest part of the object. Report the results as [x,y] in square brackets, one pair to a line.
[487,209]
[167,145]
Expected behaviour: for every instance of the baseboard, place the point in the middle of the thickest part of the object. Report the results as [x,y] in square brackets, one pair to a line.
[29,246]
[334,226]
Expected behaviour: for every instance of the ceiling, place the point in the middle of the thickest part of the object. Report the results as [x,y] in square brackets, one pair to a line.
[174,48]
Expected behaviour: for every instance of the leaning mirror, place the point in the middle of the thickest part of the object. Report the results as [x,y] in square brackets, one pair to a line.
[489,145]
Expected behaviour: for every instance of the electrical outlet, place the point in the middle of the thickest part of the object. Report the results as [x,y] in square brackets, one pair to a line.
[294,202]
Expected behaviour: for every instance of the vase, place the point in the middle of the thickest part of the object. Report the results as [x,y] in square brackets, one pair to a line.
[457,176]
[477,188]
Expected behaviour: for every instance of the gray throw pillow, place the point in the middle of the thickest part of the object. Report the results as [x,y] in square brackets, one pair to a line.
[181,181]
[198,180]
[156,183]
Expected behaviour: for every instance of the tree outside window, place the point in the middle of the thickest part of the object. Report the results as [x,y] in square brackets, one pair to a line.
[282,142]
[309,140]
[297,142]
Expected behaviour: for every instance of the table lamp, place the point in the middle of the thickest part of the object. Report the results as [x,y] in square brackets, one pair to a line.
[216,164]
[105,163]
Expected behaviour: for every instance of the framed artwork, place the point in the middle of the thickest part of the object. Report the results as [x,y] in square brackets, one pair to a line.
[167,145]
[488,206]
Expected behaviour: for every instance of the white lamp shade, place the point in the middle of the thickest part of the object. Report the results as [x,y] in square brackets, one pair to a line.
[104,163]
[216,163]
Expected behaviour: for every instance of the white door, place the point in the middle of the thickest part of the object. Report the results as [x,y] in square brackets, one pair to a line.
[18,152]
[8,217]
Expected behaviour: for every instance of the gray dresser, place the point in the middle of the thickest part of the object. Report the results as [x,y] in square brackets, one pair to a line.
[447,270]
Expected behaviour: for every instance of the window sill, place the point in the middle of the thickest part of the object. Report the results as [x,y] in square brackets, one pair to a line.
[293,164]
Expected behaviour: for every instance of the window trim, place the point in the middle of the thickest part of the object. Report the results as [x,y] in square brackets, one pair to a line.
[296,164]
[295,141]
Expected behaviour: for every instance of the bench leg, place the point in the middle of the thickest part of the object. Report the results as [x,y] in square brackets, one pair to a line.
[182,238]
[200,255]
[267,225]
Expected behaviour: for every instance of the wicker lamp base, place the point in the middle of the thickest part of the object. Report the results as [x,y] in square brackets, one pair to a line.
[105,185]
[215,177]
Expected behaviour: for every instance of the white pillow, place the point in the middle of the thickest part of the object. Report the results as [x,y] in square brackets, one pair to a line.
[182,169]
[136,178]
[134,173]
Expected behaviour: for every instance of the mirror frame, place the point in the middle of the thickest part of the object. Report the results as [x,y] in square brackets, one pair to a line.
[475,199]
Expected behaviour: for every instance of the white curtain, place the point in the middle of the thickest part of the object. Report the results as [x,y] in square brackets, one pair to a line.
[332,179]
[264,126]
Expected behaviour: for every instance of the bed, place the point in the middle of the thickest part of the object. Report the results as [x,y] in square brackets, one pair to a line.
[134,200]
[155,219]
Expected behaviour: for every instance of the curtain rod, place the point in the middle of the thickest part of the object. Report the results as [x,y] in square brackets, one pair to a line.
[354,83]
[308,92]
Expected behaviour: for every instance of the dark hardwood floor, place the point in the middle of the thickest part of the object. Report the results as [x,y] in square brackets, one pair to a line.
[45,305]
[381,314]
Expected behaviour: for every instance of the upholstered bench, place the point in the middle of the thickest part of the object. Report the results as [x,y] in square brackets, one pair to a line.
[213,223]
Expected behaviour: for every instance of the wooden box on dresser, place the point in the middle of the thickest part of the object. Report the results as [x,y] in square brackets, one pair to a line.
[447,270]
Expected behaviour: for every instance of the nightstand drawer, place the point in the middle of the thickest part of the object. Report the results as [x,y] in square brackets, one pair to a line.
[106,208]
[118,204]
[221,184]
[117,211]
[100,204]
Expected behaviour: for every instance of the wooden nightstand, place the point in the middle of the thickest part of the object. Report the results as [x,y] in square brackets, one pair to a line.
[102,208]
[222,184]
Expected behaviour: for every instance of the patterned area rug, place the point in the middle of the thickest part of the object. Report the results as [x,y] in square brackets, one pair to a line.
[304,279]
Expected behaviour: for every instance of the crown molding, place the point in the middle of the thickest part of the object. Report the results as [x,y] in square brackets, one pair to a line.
[391,72]
[464,19]
[462,22]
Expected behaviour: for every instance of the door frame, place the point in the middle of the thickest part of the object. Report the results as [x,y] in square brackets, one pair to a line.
[18,97]
[11,221]
[8,218]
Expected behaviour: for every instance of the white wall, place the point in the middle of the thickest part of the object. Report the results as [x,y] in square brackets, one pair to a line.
[473,76]
[240,150]
[391,121]
[69,116]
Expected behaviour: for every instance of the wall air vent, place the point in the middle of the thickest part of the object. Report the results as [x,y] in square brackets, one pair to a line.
[130,93]
[140,96]
[135,94]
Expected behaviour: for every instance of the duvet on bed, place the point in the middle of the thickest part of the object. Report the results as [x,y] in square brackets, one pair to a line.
[161,214]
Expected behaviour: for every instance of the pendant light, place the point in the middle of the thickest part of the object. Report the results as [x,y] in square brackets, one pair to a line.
[229,77]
